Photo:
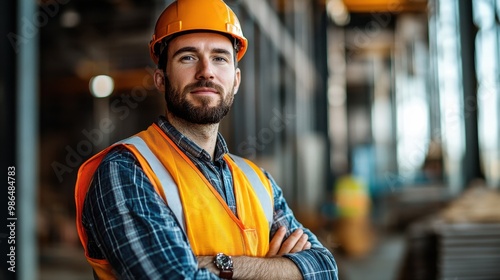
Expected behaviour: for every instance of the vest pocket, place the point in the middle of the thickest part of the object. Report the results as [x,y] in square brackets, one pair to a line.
[252,241]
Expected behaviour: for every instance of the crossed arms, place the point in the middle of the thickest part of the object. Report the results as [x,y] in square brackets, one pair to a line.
[273,266]
[129,225]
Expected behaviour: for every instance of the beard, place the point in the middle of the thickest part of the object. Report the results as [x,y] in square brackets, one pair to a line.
[179,106]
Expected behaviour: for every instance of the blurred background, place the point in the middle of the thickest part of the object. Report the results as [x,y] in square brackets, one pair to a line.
[379,119]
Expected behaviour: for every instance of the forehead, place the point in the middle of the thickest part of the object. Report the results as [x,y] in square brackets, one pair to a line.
[201,40]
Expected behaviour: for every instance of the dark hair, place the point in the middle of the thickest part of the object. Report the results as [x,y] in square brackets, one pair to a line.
[162,61]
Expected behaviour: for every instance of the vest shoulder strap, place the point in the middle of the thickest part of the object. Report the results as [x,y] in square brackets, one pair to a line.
[171,191]
[257,185]
[169,187]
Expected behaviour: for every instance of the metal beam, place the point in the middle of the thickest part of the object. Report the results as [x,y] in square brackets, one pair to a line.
[471,162]
[27,138]
[284,42]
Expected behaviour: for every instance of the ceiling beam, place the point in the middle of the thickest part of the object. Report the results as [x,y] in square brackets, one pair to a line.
[385,6]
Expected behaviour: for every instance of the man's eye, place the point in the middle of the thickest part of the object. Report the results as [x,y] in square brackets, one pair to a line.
[187,58]
[220,59]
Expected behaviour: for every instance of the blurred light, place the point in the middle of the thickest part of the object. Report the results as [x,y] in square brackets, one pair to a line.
[101,86]
[484,13]
[338,12]
[70,18]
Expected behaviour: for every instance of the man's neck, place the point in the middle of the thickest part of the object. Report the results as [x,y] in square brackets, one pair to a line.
[204,135]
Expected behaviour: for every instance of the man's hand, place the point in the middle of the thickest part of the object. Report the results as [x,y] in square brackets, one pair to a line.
[296,242]
[271,267]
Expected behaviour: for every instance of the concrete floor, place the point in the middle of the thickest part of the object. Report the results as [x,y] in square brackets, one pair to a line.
[383,263]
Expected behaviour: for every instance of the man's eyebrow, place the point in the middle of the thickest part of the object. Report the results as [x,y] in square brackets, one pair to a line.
[221,51]
[185,49]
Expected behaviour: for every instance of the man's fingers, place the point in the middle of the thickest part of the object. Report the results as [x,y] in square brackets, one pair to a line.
[296,242]
[290,242]
[301,243]
[275,244]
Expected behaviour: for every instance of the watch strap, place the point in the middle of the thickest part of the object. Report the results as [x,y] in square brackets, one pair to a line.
[226,274]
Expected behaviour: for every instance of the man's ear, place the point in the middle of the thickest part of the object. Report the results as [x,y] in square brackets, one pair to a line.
[159,79]
[237,80]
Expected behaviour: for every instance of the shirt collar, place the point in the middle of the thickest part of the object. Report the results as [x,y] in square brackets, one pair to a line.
[188,146]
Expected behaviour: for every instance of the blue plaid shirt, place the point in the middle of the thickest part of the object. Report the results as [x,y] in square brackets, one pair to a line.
[130,226]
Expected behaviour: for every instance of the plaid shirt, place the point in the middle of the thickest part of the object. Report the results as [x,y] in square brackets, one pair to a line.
[130,226]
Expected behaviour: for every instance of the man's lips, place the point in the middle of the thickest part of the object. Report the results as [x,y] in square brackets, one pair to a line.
[204,90]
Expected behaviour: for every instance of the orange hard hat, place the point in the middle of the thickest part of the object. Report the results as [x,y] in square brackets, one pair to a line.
[196,15]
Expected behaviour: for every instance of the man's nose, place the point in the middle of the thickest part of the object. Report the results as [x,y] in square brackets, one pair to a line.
[205,71]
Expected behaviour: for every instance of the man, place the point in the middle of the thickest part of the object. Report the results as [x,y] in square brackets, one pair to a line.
[170,202]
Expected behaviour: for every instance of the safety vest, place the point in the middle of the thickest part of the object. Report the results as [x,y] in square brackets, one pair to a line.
[210,226]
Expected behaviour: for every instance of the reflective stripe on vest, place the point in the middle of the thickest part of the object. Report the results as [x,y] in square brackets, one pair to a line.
[258,187]
[167,182]
[172,193]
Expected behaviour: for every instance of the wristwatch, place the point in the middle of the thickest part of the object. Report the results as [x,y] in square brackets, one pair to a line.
[225,264]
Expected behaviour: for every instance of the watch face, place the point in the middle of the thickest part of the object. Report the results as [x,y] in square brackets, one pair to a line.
[223,261]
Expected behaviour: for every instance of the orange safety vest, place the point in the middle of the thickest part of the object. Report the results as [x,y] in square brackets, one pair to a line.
[202,213]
